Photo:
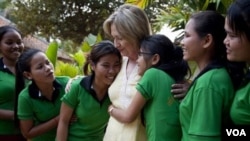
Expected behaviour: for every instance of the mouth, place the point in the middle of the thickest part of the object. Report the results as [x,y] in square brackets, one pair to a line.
[184,50]
[228,50]
[111,78]
[50,74]
[16,51]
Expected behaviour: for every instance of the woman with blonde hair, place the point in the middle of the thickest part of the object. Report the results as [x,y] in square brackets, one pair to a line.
[128,26]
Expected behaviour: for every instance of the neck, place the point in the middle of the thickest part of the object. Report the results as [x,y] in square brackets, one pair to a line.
[100,89]
[46,90]
[9,64]
[203,62]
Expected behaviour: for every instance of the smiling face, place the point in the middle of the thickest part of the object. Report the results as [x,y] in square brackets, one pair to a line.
[238,46]
[144,61]
[106,69]
[125,47]
[41,69]
[192,43]
[11,45]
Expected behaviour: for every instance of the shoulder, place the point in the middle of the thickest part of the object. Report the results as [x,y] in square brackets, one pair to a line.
[62,78]
[154,72]
[219,74]
[24,93]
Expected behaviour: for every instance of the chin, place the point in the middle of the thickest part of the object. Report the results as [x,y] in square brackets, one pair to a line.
[230,58]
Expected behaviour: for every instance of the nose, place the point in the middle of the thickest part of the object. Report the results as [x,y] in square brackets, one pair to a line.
[48,68]
[182,42]
[116,43]
[15,45]
[225,41]
[112,70]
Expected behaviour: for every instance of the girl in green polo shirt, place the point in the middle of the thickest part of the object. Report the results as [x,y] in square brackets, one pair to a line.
[38,104]
[237,42]
[160,65]
[11,47]
[205,109]
[88,98]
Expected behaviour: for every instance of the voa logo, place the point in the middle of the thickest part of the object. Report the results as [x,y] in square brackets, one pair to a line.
[236,132]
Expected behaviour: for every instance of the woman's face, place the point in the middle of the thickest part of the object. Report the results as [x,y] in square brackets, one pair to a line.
[11,45]
[238,46]
[41,69]
[192,43]
[144,61]
[125,47]
[106,69]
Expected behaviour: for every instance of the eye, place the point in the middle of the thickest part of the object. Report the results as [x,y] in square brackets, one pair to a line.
[117,64]
[19,43]
[105,65]
[39,66]
[48,62]
[9,43]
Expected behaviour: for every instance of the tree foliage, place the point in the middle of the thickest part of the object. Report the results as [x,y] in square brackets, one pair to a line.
[176,16]
[67,19]
[72,19]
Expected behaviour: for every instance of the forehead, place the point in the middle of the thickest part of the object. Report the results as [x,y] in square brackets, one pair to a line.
[38,58]
[114,31]
[226,26]
[11,34]
[190,25]
[109,58]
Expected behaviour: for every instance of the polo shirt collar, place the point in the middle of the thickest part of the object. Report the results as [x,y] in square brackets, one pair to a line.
[35,93]
[3,67]
[87,82]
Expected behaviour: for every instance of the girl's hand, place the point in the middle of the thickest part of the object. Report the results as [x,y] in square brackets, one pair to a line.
[179,89]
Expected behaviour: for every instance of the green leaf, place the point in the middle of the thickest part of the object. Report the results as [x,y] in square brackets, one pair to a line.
[51,52]
[98,38]
[66,69]
[85,46]
[79,58]
[91,39]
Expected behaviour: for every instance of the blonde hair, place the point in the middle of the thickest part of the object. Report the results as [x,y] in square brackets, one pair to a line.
[131,23]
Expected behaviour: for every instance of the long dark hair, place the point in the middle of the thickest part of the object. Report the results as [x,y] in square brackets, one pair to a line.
[211,22]
[171,57]
[23,64]
[238,16]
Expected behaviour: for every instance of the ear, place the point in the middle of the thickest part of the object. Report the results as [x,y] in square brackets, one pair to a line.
[155,59]
[208,41]
[27,75]
[92,66]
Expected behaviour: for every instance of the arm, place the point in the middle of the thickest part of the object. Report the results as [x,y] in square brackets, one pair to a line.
[130,114]
[68,86]
[30,131]
[6,114]
[65,116]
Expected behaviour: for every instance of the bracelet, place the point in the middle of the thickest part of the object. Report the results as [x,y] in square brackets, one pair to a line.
[111,109]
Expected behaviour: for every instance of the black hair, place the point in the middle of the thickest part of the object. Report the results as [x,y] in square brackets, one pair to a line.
[7,28]
[99,50]
[23,64]
[171,57]
[238,17]
[211,22]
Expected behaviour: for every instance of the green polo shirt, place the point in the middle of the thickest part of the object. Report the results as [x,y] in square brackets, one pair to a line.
[31,106]
[161,110]
[92,115]
[206,106]
[240,110]
[7,95]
